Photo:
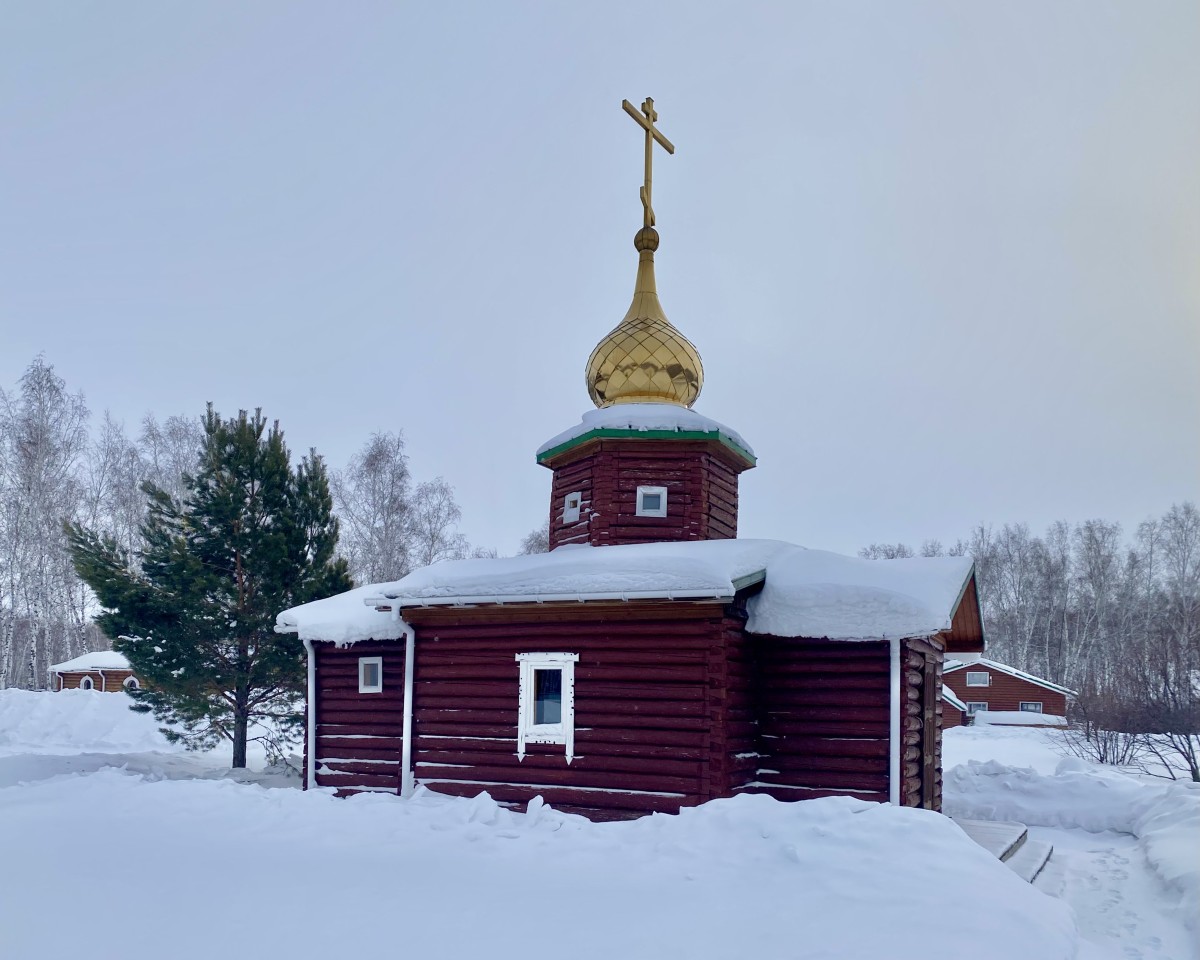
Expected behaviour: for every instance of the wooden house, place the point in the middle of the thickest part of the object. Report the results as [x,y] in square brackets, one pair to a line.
[106,671]
[987,685]
[651,659]
[954,711]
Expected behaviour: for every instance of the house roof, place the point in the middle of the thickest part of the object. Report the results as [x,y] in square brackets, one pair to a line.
[952,665]
[949,696]
[101,660]
[805,593]
[648,421]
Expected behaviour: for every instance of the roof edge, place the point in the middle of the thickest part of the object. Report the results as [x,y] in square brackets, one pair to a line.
[632,433]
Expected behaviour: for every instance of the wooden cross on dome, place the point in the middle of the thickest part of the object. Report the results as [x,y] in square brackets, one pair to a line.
[645,120]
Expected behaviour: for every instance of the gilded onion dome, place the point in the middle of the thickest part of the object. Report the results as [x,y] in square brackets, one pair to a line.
[645,359]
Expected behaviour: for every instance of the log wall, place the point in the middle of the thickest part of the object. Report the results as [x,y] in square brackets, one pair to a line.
[645,696]
[823,719]
[921,721]
[359,735]
[110,681]
[1005,692]
[701,478]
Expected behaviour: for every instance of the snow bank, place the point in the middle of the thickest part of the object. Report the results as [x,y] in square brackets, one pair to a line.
[100,660]
[1018,718]
[642,417]
[743,877]
[74,721]
[808,593]
[1165,817]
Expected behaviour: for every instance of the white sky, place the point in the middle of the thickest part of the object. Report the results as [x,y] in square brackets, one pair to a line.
[942,260]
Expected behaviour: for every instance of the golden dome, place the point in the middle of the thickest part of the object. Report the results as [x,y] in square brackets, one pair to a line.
[645,359]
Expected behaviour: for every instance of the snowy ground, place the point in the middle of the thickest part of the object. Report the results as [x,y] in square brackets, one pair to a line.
[111,838]
[1126,846]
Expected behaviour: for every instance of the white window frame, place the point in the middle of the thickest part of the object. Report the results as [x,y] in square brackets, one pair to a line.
[1030,706]
[131,683]
[641,509]
[562,732]
[571,504]
[363,686]
[974,707]
[91,685]
[973,678]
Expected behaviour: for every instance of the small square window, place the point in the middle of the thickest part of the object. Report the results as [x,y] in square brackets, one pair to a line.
[651,501]
[973,708]
[571,506]
[979,678]
[370,674]
[1031,706]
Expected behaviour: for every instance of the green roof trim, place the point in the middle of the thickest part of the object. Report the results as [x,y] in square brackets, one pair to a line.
[749,580]
[605,433]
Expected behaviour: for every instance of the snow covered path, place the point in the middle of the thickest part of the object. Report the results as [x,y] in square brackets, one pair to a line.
[1119,901]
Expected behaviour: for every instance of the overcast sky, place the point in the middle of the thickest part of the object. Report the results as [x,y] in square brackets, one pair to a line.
[942,260]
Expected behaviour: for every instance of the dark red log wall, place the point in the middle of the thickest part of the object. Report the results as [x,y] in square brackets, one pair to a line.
[701,478]
[823,711]
[1005,692]
[359,735]
[648,684]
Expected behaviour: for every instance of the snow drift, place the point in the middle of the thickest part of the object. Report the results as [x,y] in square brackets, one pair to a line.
[442,876]
[1164,817]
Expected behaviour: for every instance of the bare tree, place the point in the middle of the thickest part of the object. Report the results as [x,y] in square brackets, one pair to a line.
[43,432]
[886,551]
[536,541]
[434,526]
[373,496]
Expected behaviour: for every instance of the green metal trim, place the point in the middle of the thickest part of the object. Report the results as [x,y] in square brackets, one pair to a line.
[749,580]
[605,433]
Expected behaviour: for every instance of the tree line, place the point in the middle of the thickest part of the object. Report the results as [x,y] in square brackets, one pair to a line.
[58,467]
[1116,619]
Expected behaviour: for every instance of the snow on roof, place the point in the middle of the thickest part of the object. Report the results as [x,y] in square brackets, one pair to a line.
[952,665]
[642,417]
[807,593]
[950,698]
[101,660]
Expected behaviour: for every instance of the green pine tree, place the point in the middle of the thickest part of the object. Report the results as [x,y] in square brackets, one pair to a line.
[195,610]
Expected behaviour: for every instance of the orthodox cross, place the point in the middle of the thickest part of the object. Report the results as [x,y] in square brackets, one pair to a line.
[645,120]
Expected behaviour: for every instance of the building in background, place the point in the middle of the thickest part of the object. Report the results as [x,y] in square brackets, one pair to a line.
[106,671]
[984,684]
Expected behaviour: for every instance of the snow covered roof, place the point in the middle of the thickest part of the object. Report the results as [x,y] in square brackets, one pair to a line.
[950,698]
[649,418]
[101,660]
[807,593]
[952,665]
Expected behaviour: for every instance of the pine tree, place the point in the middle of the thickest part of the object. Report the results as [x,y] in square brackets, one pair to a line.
[194,610]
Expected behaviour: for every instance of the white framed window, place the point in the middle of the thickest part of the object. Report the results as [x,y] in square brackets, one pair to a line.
[1031,706]
[974,708]
[546,706]
[370,674]
[571,504]
[651,501]
[86,684]
[979,678]
[131,683]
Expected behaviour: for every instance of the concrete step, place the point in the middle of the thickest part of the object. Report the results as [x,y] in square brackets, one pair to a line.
[1030,859]
[1001,838]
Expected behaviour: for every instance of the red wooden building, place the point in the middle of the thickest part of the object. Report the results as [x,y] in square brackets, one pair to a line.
[987,685]
[105,670]
[954,711]
[651,660]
